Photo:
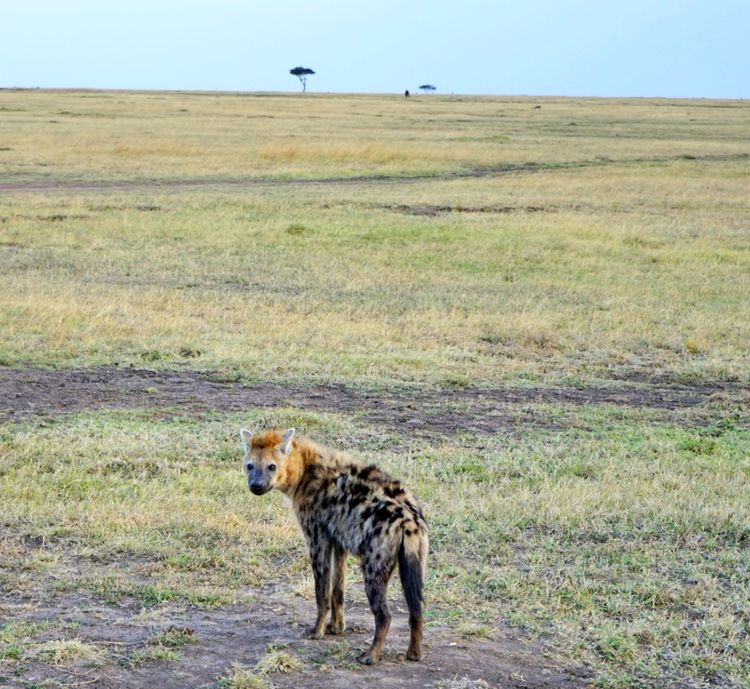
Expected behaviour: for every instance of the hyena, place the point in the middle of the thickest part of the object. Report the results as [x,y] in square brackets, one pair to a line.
[345,507]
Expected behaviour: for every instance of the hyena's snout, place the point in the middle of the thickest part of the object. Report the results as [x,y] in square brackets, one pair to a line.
[258,483]
[259,487]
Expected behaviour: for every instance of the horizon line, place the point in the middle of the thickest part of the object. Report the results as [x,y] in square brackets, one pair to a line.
[400,94]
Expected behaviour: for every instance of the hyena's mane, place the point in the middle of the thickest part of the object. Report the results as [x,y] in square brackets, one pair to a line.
[270,438]
[304,450]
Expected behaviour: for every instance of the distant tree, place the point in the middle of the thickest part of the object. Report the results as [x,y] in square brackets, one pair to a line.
[426,88]
[302,73]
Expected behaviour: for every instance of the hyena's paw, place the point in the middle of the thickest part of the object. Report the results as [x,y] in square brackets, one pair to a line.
[335,628]
[367,658]
[313,633]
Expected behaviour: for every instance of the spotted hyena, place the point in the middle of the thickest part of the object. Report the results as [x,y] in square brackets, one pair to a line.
[345,507]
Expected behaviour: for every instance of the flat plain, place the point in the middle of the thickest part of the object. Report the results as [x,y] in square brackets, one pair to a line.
[533,310]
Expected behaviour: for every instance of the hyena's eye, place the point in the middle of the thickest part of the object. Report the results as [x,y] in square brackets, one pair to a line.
[271,467]
[249,466]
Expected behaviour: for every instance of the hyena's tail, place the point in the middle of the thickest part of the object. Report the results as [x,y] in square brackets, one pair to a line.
[412,564]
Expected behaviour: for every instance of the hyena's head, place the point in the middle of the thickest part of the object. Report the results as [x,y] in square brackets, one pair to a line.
[265,460]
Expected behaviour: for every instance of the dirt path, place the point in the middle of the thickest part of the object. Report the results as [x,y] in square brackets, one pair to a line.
[243,634]
[155,185]
[28,392]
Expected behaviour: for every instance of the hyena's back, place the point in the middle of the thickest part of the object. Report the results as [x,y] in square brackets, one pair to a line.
[364,511]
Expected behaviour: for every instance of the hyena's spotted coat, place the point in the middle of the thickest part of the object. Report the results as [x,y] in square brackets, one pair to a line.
[345,507]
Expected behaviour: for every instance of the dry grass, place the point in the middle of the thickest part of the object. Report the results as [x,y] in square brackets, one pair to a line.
[111,134]
[243,678]
[621,541]
[473,630]
[69,652]
[623,267]
[360,292]
[278,660]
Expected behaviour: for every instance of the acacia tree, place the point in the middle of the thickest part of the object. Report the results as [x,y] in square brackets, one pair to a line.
[426,87]
[302,73]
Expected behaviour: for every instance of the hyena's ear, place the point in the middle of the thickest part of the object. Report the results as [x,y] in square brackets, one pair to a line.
[286,444]
[246,436]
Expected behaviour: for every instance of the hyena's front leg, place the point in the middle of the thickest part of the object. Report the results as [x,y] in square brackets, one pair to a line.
[320,558]
[338,623]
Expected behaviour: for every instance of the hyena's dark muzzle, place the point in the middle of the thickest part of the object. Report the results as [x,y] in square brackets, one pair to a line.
[258,484]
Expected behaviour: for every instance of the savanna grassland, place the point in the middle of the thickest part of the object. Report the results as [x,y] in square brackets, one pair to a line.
[538,317]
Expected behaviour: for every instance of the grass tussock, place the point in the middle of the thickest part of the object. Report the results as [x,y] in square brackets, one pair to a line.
[278,660]
[164,647]
[69,652]
[243,678]
[152,654]
[474,630]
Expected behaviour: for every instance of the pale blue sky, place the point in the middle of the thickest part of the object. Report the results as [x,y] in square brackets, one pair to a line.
[672,48]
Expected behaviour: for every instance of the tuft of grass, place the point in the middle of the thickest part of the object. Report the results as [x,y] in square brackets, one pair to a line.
[152,654]
[14,632]
[69,652]
[175,637]
[619,647]
[112,589]
[163,647]
[298,229]
[277,660]
[17,639]
[243,678]
[699,445]
[10,651]
[475,630]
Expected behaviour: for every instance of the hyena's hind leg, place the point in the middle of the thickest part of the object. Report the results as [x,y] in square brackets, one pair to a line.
[376,586]
[338,622]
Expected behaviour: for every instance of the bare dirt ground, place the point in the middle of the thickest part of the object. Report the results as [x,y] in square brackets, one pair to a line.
[244,634]
[125,630]
[29,392]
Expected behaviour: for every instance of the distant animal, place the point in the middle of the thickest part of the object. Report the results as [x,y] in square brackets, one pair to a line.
[345,507]
[537,107]
[406,93]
